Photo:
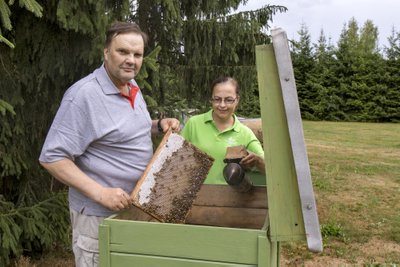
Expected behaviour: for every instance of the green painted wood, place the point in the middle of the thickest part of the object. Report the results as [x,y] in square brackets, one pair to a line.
[185,241]
[285,215]
[128,260]
[257,178]
[264,252]
[104,245]
[268,252]
[275,254]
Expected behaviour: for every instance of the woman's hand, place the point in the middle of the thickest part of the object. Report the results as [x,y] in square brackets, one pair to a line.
[253,160]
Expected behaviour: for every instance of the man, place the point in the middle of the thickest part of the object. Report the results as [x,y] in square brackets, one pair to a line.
[100,141]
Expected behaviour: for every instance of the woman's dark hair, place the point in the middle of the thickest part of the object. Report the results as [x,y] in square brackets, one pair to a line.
[120,27]
[225,79]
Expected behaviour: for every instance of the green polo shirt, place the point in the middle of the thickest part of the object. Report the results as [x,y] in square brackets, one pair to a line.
[200,130]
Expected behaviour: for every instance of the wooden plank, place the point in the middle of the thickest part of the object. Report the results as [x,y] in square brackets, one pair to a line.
[227,196]
[104,245]
[275,253]
[120,259]
[285,215]
[218,205]
[295,128]
[228,217]
[264,252]
[133,213]
[185,241]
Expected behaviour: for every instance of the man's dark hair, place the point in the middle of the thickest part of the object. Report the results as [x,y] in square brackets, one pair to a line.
[120,27]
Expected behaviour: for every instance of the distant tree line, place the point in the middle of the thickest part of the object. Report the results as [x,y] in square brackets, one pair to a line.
[353,80]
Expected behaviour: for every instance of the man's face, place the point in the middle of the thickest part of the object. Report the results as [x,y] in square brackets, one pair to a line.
[124,57]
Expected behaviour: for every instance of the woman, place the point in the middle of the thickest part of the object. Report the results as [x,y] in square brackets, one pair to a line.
[219,128]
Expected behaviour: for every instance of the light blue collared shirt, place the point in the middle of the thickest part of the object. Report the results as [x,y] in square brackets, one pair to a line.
[97,128]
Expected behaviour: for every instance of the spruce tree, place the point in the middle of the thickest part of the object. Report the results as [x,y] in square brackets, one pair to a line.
[304,65]
[359,72]
[6,26]
[392,78]
[201,40]
[5,12]
[327,102]
[371,75]
[50,53]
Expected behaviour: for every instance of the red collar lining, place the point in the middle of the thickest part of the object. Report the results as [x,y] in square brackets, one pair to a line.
[133,90]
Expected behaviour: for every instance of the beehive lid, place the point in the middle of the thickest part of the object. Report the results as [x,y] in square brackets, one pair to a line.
[172,179]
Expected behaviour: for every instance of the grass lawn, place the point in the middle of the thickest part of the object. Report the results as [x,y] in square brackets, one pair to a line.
[355,169]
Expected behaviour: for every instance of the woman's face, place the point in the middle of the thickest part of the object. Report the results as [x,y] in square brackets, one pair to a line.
[224,100]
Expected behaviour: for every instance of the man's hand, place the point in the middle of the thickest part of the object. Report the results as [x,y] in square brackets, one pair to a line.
[114,199]
[163,125]
[68,173]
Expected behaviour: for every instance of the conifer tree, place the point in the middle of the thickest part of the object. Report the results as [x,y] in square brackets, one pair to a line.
[392,52]
[392,78]
[5,12]
[327,102]
[359,71]
[50,53]
[349,82]
[304,65]
[201,40]
[6,25]
[371,75]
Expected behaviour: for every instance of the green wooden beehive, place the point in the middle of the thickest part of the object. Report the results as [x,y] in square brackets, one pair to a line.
[226,228]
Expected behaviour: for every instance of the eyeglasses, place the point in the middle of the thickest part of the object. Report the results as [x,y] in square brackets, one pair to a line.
[227,101]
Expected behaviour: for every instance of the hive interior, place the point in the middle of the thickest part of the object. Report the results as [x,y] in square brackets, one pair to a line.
[172,179]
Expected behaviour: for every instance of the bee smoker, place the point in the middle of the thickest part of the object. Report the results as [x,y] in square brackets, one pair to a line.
[233,173]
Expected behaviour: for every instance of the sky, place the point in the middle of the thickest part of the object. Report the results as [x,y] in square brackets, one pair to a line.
[331,15]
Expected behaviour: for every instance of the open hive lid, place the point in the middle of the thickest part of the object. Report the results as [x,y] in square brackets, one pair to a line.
[172,179]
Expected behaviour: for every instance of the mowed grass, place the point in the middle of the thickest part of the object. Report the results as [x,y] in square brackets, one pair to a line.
[355,169]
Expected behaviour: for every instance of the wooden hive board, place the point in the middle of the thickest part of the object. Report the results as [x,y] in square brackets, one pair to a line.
[219,205]
[172,179]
